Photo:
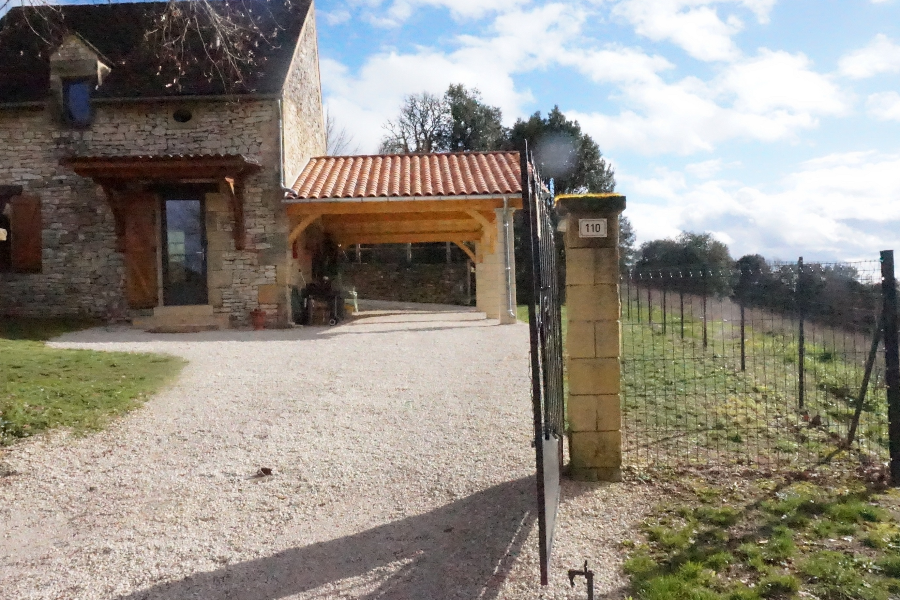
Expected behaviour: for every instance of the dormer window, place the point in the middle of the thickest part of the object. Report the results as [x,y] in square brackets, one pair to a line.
[77,101]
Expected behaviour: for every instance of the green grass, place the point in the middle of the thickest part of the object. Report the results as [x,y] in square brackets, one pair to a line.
[761,538]
[42,387]
[684,402]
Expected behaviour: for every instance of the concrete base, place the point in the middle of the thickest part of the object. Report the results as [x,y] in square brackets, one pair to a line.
[182,319]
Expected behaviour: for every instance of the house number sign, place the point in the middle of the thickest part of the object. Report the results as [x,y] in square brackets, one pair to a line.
[592,228]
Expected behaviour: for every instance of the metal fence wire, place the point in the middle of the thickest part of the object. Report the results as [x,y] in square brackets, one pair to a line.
[769,364]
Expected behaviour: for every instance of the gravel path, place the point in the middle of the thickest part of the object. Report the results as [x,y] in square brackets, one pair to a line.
[401,468]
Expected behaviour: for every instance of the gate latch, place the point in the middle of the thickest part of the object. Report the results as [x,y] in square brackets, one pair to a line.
[588,575]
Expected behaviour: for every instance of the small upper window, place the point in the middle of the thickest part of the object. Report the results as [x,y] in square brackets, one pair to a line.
[77,101]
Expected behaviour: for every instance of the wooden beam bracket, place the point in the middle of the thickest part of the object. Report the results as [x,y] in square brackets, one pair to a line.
[301,227]
[467,250]
[233,188]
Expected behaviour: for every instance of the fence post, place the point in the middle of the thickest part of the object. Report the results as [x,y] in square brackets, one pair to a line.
[801,367]
[705,334]
[743,342]
[637,295]
[650,304]
[681,302]
[891,359]
[664,319]
[628,292]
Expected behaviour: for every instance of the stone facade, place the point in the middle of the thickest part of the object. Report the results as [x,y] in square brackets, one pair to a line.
[430,283]
[83,271]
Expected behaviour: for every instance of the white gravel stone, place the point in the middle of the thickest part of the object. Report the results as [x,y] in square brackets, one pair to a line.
[401,468]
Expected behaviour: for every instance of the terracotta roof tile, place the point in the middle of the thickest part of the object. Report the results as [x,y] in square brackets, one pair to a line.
[410,175]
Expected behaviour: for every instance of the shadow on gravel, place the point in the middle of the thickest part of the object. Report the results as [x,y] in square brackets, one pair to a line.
[461,550]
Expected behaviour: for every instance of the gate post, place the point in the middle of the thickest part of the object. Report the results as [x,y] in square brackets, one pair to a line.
[593,345]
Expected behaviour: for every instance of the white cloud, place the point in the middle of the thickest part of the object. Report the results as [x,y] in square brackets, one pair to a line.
[363,100]
[396,12]
[884,106]
[881,55]
[706,169]
[839,206]
[768,97]
[335,17]
[693,25]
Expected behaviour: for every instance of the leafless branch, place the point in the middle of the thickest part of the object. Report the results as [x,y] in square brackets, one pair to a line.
[338,140]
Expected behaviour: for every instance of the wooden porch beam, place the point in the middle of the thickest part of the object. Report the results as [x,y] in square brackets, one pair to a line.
[301,227]
[351,239]
[466,249]
[338,227]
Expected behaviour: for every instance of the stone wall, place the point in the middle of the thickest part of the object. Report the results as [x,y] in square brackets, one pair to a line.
[304,124]
[433,283]
[82,271]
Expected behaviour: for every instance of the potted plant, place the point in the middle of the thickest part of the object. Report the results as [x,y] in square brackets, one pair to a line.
[258,319]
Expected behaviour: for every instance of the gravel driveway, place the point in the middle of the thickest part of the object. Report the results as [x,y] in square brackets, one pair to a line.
[401,468]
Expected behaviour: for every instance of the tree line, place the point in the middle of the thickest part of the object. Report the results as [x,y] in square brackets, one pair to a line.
[696,263]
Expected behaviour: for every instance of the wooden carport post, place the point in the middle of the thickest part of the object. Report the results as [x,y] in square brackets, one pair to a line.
[593,346]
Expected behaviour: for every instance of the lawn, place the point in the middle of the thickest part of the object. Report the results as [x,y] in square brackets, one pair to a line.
[43,387]
[825,534]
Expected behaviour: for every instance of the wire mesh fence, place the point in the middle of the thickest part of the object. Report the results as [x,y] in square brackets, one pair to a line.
[767,364]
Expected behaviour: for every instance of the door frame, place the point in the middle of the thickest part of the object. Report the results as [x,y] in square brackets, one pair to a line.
[188,192]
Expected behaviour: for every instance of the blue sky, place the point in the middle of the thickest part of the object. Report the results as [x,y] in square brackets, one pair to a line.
[773,124]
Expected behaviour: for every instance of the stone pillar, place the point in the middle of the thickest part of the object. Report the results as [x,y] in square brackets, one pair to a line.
[490,274]
[594,331]
[487,280]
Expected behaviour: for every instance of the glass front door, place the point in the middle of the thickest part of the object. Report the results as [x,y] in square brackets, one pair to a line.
[184,252]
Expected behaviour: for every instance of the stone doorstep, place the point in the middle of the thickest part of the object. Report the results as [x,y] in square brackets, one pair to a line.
[182,319]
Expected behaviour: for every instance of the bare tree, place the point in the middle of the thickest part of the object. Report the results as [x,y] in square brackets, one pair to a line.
[338,139]
[223,38]
[424,125]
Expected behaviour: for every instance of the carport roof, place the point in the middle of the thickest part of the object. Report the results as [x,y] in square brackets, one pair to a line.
[447,175]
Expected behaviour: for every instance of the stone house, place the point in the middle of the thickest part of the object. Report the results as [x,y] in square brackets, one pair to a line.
[129,189]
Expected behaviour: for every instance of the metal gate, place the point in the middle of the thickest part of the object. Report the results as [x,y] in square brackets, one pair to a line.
[546,351]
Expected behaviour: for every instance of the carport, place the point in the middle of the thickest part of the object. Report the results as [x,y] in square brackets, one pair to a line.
[464,198]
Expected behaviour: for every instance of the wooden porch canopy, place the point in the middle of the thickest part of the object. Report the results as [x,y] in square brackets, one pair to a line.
[406,198]
[123,177]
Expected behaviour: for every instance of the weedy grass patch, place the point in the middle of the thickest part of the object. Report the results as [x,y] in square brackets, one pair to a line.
[43,387]
[831,538]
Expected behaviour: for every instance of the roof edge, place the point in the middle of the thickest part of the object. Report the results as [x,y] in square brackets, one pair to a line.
[293,199]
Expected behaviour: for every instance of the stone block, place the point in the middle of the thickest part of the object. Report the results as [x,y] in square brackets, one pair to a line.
[219,279]
[215,297]
[592,302]
[580,267]
[582,413]
[609,412]
[612,474]
[608,338]
[589,376]
[606,265]
[596,449]
[272,294]
[595,412]
[580,342]
[219,240]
